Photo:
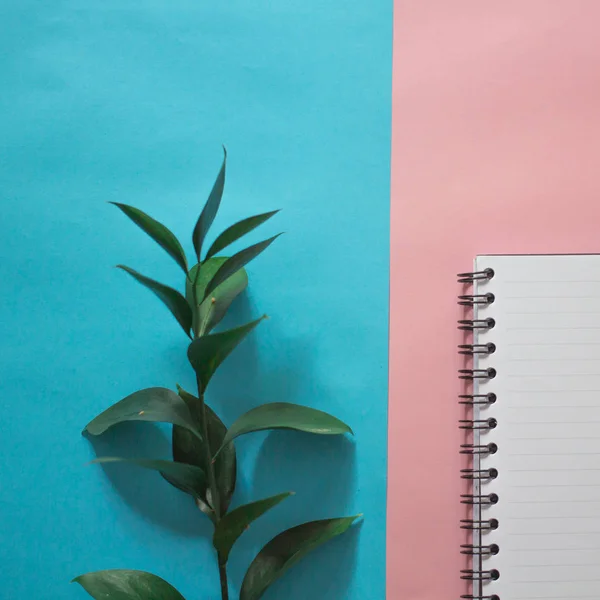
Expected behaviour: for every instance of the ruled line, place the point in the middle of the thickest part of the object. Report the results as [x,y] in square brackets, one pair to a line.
[555,485]
[578,580]
[520,534]
[553,501]
[548,375]
[551,518]
[544,328]
[522,344]
[554,391]
[537,333]
[569,597]
[547,406]
[562,564]
[560,360]
[534,439]
[578,549]
[554,423]
[553,454]
[521,281]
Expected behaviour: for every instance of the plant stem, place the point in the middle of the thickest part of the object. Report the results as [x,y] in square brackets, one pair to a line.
[204,323]
[223,578]
[212,482]
[210,467]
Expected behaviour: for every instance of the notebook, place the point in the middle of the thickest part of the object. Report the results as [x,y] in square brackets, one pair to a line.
[532,427]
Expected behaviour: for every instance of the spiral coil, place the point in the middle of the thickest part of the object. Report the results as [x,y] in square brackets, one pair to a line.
[475,276]
[477,424]
[472,349]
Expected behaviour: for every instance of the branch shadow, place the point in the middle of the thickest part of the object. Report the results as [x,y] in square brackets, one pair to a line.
[235,387]
[321,470]
[145,491]
[246,382]
[325,574]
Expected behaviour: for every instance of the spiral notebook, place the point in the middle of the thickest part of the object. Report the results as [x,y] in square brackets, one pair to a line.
[532,427]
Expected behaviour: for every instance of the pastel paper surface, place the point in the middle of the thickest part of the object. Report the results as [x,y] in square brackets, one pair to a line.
[130,101]
[495,149]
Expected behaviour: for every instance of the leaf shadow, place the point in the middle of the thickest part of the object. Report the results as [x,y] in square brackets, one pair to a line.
[325,574]
[145,491]
[321,470]
[243,382]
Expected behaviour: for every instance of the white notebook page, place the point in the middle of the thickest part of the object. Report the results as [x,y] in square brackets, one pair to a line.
[547,334]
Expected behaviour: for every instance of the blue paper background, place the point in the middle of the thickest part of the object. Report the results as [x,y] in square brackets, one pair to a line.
[129,101]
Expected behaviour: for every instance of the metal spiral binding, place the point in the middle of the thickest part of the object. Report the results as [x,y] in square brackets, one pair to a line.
[472,399]
[472,299]
[479,499]
[472,324]
[477,373]
[472,349]
[491,575]
[479,524]
[479,448]
[472,550]
[478,424]
[479,573]
[475,276]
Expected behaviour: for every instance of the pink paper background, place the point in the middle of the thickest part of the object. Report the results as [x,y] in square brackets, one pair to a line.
[496,149]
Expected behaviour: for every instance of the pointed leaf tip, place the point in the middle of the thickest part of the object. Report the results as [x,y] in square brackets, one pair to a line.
[236,262]
[207,352]
[209,212]
[162,235]
[237,231]
[123,584]
[287,549]
[234,523]
[285,415]
[170,297]
[158,405]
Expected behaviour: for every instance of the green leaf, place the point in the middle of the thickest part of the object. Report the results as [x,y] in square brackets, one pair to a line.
[209,212]
[206,353]
[188,478]
[235,232]
[187,449]
[285,550]
[173,300]
[163,236]
[210,312]
[233,524]
[122,584]
[236,262]
[157,405]
[283,415]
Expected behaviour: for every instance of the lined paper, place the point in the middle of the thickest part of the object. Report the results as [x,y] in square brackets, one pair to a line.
[547,334]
